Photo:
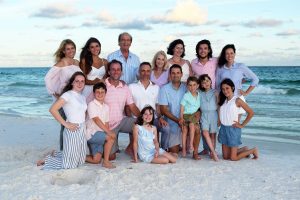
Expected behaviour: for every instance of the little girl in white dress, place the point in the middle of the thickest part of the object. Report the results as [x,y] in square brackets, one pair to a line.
[145,143]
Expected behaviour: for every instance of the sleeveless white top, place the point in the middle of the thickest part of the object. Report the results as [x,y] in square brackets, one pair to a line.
[229,112]
[185,71]
[94,73]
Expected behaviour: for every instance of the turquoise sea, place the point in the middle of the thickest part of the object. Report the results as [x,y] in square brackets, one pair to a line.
[276,101]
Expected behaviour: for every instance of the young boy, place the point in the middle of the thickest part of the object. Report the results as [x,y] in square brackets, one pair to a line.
[97,132]
[190,104]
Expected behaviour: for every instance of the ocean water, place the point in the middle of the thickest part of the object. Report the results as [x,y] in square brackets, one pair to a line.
[276,101]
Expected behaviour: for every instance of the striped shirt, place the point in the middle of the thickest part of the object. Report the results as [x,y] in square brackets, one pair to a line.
[129,67]
[116,98]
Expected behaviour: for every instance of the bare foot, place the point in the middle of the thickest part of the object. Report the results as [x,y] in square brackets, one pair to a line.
[108,165]
[174,154]
[214,156]
[196,156]
[204,152]
[183,153]
[255,154]
[40,162]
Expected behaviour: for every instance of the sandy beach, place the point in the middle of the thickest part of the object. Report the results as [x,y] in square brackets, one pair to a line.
[275,175]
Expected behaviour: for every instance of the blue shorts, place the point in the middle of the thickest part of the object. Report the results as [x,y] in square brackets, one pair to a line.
[230,136]
[96,142]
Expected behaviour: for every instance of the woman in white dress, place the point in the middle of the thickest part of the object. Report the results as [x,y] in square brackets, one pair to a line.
[58,75]
[177,50]
[92,66]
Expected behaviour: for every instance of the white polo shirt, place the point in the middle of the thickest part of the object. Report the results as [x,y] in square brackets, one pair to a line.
[96,109]
[142,96]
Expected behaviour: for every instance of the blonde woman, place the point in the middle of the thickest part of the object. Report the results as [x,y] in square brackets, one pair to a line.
[160,73]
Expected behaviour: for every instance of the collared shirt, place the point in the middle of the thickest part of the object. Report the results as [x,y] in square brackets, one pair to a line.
[116,98]
[96,109]
[129,67]
[237,72]
[208,68]
[171,97]
[144,96]
[190,103]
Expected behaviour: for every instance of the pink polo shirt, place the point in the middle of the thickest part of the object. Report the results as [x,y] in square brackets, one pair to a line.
[209,68]
[116,98]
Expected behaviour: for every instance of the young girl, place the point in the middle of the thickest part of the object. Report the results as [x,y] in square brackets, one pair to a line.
[190,104]
[209,114]
[145,142]
[230,131]
[74,142]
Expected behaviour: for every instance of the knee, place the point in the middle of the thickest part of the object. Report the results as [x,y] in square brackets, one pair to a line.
[165,161]
[97,160]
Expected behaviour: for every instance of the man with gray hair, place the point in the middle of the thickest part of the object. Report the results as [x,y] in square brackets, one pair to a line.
[129,60]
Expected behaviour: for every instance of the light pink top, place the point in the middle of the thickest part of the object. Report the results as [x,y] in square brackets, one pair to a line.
[209,68]
[116,98]
[57,78]
[96,109]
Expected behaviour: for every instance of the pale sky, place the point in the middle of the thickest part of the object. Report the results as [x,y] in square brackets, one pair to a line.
[265,32]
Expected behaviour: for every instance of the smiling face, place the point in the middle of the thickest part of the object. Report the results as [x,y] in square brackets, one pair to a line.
[125,42]
[229,56]
[160,61]
[178,50]
[95,48]
[206,84]
[147,116]
[192,86]
[175,75]
[78,83]
[115,71]
[203,51]
[69,51]
[227,90]
[145,72]
[100,94]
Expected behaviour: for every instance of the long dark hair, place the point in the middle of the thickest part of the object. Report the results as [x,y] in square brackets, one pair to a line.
[87,56]
[207,42]
[140,121]
[69,85]
[222,97]
[222,60]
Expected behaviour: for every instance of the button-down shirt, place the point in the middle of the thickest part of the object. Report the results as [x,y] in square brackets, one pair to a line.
[116,98]
[171,97]
[144,96]
[208,68]
[129,67]
[190,103]
[237,72]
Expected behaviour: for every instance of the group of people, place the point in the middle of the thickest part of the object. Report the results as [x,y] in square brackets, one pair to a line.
[163,105]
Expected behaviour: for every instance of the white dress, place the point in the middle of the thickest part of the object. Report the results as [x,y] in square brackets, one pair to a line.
[94,73]
[185,71]
[146,147]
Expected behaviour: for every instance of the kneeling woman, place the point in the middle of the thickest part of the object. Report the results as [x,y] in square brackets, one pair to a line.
[145,142]
[74,105]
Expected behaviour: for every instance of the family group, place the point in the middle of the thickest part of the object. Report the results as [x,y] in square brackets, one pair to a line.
[165,106]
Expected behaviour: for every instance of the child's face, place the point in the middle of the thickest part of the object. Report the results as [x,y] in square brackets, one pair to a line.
[100,94]
[147,116]
[227,90]
[193,86]
[206,83]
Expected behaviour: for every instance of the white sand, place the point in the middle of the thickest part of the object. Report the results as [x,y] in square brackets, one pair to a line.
[276,175]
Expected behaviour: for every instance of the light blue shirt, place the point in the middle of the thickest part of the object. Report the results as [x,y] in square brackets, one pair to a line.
[237,72]
[130,66]
[190,103]
[171,97]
